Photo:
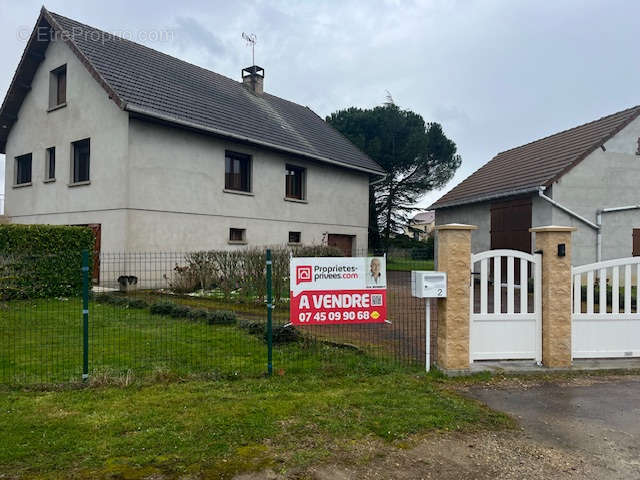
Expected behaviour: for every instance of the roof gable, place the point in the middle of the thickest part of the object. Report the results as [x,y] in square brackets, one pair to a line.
[536,164]
[150,83]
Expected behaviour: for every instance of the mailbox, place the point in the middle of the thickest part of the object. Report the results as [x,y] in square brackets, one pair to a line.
[428,284]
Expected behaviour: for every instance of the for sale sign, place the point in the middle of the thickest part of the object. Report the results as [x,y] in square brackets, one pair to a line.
[338,290]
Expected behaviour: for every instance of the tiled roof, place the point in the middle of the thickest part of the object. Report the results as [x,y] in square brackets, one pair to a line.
[539,163]
[151,83]
[424,217]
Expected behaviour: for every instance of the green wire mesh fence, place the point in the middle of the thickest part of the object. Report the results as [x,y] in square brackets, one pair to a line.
[188,314]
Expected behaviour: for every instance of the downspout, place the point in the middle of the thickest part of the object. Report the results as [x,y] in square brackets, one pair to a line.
[599,223]
[566,210]
[596,226]
[381,179]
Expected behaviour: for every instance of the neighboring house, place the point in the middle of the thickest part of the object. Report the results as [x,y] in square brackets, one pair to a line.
[421,226]
[157,154]
[587,177]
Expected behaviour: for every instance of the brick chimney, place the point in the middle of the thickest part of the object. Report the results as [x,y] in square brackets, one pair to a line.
[253,79]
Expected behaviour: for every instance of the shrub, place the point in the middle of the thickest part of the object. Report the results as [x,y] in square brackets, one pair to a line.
[198,314]
[162,308]
[120,300]
[281,334]
[183,280]
[180,311]
[42,260]
[252,327]
[137,303]
[242,269]
[221,317]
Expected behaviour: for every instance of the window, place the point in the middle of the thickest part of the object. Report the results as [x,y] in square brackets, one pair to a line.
[23,169]
[294,182]
[237,171]
[237,235]
[50,164]
[294,237]
[80,161]
[58,87]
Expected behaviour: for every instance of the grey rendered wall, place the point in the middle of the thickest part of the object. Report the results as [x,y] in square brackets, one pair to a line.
[478,214]
[176,185]
[604,179]
[162,189]
[88,114]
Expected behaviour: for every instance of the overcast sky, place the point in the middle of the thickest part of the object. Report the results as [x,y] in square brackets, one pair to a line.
[495,74]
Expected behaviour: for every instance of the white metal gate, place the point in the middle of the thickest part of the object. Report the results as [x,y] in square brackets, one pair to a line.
[614,329]
[506,318]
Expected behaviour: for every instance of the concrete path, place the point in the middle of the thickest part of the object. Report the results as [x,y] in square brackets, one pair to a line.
[599,419]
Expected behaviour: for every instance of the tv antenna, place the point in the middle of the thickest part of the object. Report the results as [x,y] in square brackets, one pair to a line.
[251,39]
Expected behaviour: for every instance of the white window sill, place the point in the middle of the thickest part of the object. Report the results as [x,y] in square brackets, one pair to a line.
[21,185]
[79,184]
[294,200]
[49,180]
[237,242]
[56,107]
[238,192]
[294,244]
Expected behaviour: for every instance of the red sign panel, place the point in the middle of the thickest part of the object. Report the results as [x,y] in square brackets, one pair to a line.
[337,290]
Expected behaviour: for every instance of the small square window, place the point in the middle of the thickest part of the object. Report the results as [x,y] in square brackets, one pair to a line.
[295,182]
[294,237]
[237,171]
[80,161]
[23,169]
[58,87]
[50,164]
[237,234]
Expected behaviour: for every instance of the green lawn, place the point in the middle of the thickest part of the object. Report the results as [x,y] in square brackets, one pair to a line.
[407,264]
[168,398]
[219,428]
[41,342]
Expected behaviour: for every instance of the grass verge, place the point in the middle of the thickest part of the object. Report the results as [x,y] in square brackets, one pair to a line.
[41,343]
[215,429]
[407,264]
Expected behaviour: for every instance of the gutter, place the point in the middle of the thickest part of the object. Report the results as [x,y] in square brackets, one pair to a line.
[167,118]
[484,198]
[381,179]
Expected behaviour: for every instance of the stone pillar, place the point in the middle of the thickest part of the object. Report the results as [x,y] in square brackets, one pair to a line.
[454,258]
[556,294]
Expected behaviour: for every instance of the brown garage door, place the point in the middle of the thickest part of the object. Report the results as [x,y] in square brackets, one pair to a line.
[510,224]
[343,242]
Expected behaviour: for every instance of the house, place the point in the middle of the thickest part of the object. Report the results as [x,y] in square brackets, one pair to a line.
[586,177]
[157,154]
[421,226]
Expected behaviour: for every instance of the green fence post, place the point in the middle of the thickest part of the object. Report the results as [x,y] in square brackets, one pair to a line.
[85,315]
[269,312]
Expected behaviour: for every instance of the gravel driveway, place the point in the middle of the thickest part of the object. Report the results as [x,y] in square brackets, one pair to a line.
[597,419]
[577,428]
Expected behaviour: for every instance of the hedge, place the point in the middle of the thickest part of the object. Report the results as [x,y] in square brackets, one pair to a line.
[42,260]
[242,270]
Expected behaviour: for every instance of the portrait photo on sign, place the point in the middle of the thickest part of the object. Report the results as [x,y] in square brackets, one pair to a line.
[376,272]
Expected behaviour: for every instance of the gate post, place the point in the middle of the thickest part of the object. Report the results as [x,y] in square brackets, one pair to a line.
[454,258]
[554,242]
